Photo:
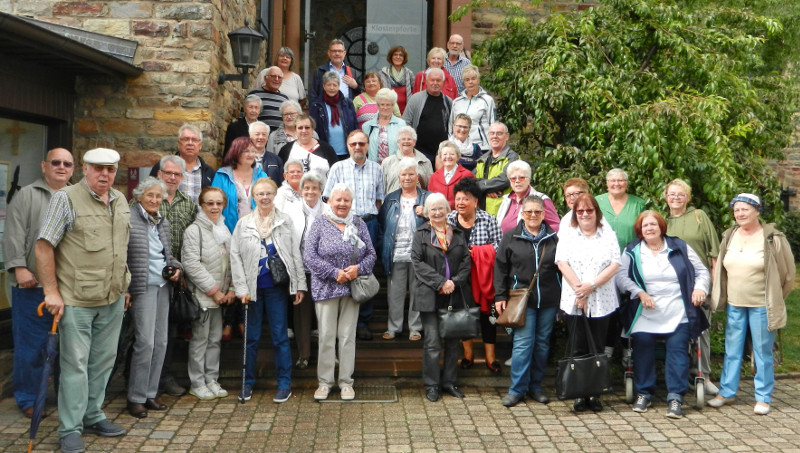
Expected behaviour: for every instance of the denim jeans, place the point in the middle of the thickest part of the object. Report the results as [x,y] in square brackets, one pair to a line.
[676,367]
[30,335]
[366,309]
[531,348]
[270,305]
[739,319]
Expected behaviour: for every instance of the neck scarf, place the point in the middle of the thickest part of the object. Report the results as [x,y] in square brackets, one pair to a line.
[350,233]
[264,224]
[333,103]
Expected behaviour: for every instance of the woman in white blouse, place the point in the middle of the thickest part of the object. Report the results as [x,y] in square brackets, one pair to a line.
[588,260]
[667,283]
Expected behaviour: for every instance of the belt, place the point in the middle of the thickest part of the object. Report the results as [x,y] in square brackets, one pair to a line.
[367,217]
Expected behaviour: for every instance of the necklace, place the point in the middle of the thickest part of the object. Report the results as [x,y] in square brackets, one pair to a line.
[655,249]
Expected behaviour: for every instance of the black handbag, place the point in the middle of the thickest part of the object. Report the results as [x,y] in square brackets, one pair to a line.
[280,276]
[582,376]
[183,306]
[462,323]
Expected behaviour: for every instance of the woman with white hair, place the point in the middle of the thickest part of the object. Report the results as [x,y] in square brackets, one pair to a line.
[149,258]
[450,173]
[510,212]
[292,85]
[382,130]
[619,207]
[334,115]
[399,217]
[287,133]
[241,127]
[478,104]
[406,141]
[333,240]
[366,103]
[435,59]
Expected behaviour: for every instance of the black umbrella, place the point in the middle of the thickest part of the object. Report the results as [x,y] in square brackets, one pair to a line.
[50,353]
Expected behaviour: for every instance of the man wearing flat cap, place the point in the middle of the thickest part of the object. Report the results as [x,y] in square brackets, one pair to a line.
[81,257]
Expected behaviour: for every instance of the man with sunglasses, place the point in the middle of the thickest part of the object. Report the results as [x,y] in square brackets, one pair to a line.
[81,259]
[23,220]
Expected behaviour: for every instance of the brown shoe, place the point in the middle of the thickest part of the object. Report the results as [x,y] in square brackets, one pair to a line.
[28,412]
[137,409]
[155,404]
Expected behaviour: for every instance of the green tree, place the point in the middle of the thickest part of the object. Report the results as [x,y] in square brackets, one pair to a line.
[664,89]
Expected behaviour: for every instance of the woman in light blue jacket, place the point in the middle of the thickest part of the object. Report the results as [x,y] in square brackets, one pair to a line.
[236,178]
[382,131]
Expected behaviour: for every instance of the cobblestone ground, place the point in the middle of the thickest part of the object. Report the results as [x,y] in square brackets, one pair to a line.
[475,424]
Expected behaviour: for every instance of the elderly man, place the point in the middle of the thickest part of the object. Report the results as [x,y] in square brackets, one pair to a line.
[81,257]
[456,61]
[490,170]
[428,112]
[350,82]
[239,128]
[271,98]
[198,174]
[23,220]
[365,178]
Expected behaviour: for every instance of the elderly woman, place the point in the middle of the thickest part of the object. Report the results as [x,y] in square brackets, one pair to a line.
[435,59]
[270,163]
[667,283]
[483,237]
[262,240]
[287,133]
[445,178]
[441,262]
[693,226]
[366,103]
[406,140]
[399,217]
[510,212]
[292,85]
[459,134]
[149,257]
[476,103]
[527,254]
[754,275]
[397,76]
[619,207]
[236,177]
[382,130]
[241,127]
[313,154]
[588,259]
[333,114]
[205,255]
[333,240]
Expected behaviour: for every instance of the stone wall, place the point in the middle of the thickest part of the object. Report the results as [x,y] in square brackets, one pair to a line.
[182,47]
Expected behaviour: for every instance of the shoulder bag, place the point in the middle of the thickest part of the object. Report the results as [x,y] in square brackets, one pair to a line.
[280,276]
[363,287]
[582,376]
[183,306]
[517,304]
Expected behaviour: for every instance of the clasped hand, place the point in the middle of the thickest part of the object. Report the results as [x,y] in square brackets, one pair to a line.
[347,274]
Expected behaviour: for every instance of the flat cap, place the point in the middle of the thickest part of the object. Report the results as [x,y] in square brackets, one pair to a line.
[101,156]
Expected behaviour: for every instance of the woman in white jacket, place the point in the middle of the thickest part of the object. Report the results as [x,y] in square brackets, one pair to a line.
[478,104]
[261,236]
[205,253]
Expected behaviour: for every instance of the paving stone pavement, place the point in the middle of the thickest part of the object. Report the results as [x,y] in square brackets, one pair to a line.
[478,423]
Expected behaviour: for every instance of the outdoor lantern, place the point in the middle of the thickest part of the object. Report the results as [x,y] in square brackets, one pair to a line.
[246,47]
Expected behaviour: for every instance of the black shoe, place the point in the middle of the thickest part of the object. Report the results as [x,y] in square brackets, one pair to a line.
[579,405]
[363,333]
[155,405]
[172,388]
[301,364]
[539,397]
[494,367]
[595,404]
[104,428]
[466,363]
[137,409]
[453,391]
[432,393]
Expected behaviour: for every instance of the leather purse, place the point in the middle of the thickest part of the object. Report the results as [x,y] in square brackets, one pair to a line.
[183,306]
[582,376]
[363,287]
[461,323]
[517,304]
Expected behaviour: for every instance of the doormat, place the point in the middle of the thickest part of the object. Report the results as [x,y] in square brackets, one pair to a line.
[366,394]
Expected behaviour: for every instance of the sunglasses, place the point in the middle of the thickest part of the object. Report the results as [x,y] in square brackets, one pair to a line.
[589,211]
[61,163]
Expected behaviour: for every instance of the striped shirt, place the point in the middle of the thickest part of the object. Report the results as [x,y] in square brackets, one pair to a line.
[455,70]
[60,216]
[270,107]
[366,182]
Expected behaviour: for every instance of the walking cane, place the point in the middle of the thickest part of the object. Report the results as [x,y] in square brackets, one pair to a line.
[245,303]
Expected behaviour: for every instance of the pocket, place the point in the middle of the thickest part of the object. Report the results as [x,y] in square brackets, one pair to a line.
[91,284]
[92,239]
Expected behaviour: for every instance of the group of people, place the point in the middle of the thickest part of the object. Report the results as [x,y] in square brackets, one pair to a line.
[304,204]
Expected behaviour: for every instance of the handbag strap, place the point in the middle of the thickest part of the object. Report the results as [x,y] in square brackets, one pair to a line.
[589,338]
[355,244]
[538,268]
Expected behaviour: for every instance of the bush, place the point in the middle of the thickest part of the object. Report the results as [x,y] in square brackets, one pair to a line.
[791,228]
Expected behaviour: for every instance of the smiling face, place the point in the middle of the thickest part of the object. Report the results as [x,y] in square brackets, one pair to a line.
[406,143]
[340,202]
[293,174]
[397,58]
[247,158]
[273,79]
[498,137]
[587,217]
[151,199]
[289,116]
[372,85]
[357,147]
[461,129]
[651,232]
[385,108]
[284,61]
[746,215]
[617,184]
[172,176]
[677,198]
[336,54]
[212,204]
[408,178]
[466,203]
[331,87]
[310,192]
[436,61]
[259,137]
[304,131]
[532,215]
[455,45]
[437,213]
[58,167]
[449,158]
[571,193]
[264,195]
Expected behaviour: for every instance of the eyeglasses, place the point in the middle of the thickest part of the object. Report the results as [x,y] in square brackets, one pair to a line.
[533,212]
[676,195]
[589,211]
[497,133]
[616,181]
[263,194]
[275,76]
[61,163]
[213,203]
[289,114]
[518,178]
[572,195]
[354,144]
[172,174]
[99,168]
[336,50]
[460,126]
[189,140]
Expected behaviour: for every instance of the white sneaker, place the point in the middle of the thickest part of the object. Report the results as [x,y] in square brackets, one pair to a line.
[202,393]
[507,362]
[322,392]
[216,389]
[761,409]
[609,351]
[347,393]
[290,333]
[710,388]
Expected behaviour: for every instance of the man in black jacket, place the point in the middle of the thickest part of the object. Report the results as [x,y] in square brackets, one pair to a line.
[350,82]
[198,174]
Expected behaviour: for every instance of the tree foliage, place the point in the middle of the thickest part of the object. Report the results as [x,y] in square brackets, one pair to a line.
[664,89]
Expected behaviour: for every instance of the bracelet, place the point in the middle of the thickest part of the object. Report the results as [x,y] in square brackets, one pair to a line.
[594,286]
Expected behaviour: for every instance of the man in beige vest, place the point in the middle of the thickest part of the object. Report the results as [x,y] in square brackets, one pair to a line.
[81,260]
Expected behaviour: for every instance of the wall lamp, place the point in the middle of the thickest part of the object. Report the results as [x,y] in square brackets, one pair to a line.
[246,47]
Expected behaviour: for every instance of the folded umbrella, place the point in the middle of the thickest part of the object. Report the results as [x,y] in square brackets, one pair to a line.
[50,353]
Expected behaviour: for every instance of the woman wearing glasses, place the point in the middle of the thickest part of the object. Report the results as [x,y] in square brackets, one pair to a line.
[510,212]
[588,260]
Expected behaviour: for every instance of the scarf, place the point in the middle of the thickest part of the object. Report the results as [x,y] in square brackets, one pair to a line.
[264,224]
[221,233]
[333,103]
[539,235]
[396,77]
[350,233]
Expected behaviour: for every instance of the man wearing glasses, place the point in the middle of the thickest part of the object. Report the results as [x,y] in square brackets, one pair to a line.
[491,168]
[349,78]
[23,220]
[271,98]
[197,174]
[81,257]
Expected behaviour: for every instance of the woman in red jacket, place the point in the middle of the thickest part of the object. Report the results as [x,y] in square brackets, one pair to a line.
[436,58]
[447,176]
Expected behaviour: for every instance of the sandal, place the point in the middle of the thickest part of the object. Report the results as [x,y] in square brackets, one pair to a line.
[388,335]
[414,335]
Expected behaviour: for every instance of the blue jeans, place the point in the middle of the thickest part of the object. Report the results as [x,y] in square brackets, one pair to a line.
[270,305]
[30,335]
[676,366]
[531,347]
[366,308]
[739,319]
